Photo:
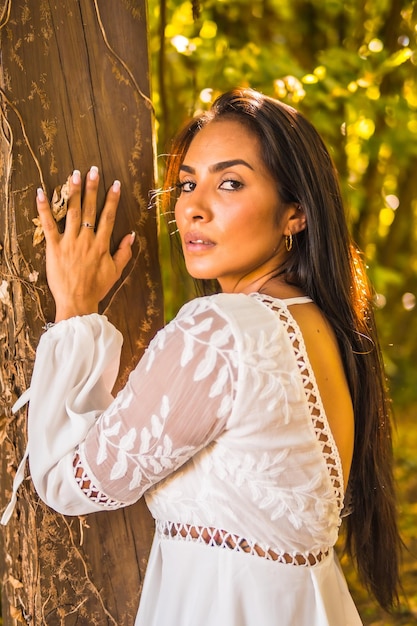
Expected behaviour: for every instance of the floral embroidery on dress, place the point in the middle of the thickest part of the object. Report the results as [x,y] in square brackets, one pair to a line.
[150,448]
[292,492]
[254,374]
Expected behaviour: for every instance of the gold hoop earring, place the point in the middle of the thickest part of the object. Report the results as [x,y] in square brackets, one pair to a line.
[288,242]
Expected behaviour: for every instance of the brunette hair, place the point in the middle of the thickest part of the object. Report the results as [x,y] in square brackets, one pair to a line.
[328,267]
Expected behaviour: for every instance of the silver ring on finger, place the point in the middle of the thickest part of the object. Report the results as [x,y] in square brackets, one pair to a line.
[87,225]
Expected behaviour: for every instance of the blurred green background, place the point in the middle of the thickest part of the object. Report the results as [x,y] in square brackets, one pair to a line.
[350,66]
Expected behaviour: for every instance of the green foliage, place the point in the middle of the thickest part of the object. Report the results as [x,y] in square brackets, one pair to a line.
[350,66]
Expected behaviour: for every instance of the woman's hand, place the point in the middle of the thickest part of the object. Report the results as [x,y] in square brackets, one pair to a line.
[79,267]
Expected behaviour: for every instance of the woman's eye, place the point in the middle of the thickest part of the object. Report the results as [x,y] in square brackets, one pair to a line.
[186,186]
[231,185]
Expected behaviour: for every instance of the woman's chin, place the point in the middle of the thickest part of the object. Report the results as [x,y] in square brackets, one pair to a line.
[200,274]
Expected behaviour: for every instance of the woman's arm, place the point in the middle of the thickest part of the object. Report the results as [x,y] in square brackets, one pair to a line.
[177,400]
[76,365]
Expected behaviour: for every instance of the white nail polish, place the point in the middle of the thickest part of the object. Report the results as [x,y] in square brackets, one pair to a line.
[40,193]
[76,177]
[116,186]
[93,172]
[132,237]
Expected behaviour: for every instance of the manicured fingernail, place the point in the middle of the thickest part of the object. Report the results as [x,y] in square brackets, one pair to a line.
[76,177]
[116,186]
[40,194]
[93,172]
[132,237]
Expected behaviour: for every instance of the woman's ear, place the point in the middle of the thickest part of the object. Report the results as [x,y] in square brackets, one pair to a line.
[296,220]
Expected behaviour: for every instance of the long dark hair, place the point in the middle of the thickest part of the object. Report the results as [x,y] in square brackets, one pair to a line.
[327,266]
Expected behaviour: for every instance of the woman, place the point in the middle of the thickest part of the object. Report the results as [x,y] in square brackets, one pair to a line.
[253,410]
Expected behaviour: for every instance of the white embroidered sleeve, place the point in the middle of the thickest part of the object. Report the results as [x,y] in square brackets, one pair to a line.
[89,451]
[176,401]
[75,369]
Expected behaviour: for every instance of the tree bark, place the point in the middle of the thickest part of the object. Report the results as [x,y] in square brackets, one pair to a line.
[74,92]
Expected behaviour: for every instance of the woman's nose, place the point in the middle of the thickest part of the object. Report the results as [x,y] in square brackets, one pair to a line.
[197,206]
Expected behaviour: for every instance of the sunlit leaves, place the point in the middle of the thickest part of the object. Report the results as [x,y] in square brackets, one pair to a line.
[208,30]
[290,88]
[398,58]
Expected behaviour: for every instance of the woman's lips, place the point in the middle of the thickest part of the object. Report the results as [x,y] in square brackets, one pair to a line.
[197,241]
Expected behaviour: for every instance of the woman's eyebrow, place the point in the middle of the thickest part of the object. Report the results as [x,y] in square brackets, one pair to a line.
[218,167]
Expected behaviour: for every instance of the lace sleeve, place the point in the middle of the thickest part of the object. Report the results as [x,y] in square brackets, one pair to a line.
[176,401]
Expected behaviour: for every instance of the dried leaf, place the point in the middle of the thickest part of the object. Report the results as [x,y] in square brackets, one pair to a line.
[38,235]
[59,202]
[4,293]
[33,276]
[15,583]
[16,613]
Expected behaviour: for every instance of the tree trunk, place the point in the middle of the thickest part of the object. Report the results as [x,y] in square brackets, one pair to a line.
[74,92]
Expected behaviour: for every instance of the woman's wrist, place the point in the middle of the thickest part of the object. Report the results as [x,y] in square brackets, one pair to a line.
[74,311]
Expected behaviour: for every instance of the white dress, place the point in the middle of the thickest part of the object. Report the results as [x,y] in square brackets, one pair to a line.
[221,426]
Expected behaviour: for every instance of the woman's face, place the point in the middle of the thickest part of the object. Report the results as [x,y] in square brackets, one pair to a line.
[228,208]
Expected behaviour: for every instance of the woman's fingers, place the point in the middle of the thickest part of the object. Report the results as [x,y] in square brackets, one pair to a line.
[81,218]
[73,217]
[123,254]
[80,267]
[89,204]
[108,214]
[81,215]
[48,223]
